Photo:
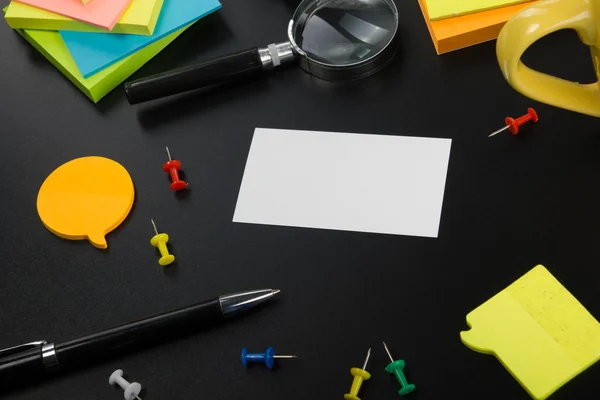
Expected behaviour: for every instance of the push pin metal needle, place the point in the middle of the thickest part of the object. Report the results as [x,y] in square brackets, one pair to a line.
[514,124]
[160,240]
[395,368]
[359,375]
[367,359]
[268,357]
[172,167]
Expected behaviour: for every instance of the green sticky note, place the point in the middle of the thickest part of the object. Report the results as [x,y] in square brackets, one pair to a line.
[51,45]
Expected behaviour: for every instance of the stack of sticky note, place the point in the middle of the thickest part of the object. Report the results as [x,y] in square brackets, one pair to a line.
[97,44]
[454,25]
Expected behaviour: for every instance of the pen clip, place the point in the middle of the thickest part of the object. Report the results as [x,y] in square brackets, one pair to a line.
[21,347]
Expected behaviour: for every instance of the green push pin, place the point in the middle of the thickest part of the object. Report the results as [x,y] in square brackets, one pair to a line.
[396,367]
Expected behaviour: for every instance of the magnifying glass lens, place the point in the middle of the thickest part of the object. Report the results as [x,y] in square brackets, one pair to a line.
[345,33]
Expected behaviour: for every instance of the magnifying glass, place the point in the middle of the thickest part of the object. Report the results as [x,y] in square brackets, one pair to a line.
[335,40]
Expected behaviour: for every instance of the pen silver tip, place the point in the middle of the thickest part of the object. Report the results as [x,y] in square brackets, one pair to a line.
[275,291]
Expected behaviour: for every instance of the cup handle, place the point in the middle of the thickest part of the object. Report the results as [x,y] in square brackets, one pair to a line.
[531,24]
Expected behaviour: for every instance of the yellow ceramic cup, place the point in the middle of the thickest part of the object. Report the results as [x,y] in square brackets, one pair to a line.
[537,21]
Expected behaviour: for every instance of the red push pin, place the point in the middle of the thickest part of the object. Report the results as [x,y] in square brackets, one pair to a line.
[514,124]
[172,166]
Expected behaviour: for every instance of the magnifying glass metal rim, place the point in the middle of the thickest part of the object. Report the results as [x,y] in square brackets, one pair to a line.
[282,53]
[384,51]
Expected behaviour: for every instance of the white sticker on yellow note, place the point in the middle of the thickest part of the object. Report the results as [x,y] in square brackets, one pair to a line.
[538,330]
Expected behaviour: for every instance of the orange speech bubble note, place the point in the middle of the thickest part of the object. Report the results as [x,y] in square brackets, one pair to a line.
[86,198]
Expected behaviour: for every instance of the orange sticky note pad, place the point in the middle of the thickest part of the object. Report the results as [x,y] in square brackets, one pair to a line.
[86,198]
[467,30]
[101,13]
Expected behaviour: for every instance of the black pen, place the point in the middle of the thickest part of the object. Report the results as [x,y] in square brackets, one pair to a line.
[42,357]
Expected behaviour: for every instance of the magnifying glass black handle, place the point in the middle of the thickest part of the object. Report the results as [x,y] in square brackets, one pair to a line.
[219,70]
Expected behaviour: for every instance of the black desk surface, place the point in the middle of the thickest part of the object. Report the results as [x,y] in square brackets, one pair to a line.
[510,203]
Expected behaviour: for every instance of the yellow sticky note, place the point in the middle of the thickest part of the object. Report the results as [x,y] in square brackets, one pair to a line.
[539,332]
[51,45]
[139,18]
[440,9]
[467,30]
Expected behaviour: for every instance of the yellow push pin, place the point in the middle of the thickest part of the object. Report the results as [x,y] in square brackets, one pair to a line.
[359,375]
[160,240]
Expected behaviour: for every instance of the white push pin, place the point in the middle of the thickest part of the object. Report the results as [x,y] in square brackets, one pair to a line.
[131,389]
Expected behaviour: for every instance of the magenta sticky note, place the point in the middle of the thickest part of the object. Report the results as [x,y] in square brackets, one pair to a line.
[102,13]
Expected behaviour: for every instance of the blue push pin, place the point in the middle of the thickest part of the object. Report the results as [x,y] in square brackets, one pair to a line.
[267,357]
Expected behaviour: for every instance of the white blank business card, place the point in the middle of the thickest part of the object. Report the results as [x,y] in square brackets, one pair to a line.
[344,181]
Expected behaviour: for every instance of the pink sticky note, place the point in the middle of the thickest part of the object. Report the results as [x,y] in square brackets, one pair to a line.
[102,13]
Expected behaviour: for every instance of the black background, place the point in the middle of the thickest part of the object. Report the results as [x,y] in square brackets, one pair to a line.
[510,203]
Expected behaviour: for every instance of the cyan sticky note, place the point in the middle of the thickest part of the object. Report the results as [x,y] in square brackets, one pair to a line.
[92,52]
